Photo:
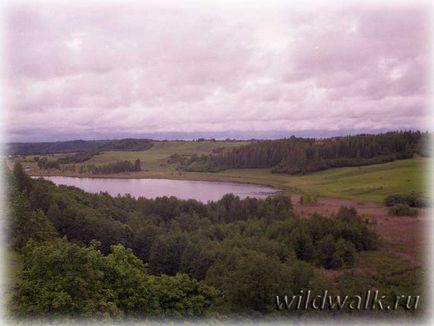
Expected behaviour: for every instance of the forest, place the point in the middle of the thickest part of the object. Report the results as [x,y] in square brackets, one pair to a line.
[80,146]
[94,255]
[115,167]
[109,168]
[303,155]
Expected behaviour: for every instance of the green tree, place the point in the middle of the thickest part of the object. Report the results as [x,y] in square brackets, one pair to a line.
[62,279]
[326,252]
[302,244]
[345,253]
[23,181]
[137,165]
[166,252]
[250,280]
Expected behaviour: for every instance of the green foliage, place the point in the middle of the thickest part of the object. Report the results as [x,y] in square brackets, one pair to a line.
[21,180]
[250,250]
[166,252]
[251,280]
[412,199]
[46,164]
[79,157]
[403,210]
[302,244]
[60,278]
[182,296]
[116,167]
[80,146]
[345,253]
[308,199]
[137,165]
[326,252]
[25,223]
[304,155]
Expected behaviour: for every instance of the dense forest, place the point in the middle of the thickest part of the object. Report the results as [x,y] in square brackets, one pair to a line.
[115,167]
[79,157]
[79,146]
[109,168]
[304,155]
[96,255]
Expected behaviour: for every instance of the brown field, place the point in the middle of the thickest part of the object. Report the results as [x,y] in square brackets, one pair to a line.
[407,234]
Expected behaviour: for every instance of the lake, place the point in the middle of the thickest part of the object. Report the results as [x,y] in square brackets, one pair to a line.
[151,188]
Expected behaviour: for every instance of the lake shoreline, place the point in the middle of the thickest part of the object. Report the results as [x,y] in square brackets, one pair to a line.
[200,190]
[191,176]
[369,183]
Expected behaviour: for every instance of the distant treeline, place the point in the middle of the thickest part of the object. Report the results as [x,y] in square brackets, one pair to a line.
[77,157]
[303,155]
[115,167]
[109,168]
[46,164]
[79,146]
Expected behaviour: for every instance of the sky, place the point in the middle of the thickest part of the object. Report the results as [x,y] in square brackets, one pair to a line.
[94,71]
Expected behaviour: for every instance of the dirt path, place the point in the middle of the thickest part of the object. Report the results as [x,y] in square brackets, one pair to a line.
[408,233]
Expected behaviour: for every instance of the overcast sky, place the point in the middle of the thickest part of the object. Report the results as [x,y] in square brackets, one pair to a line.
[170,70]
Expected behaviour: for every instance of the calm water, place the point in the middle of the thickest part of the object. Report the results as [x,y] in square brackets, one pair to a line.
[151,188]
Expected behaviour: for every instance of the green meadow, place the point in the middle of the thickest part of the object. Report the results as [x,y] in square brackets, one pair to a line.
[156,157]
[371,182]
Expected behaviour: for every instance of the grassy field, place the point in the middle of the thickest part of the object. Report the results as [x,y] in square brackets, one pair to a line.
[155,159]
[371,183]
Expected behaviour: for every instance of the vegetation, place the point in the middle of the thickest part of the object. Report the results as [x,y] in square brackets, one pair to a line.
[308,199]
[96,255]
[77,157]
[46,164]
[412,199]
[61,278]
[117,167]
[403,210]
[79,146]
[303,155]
[179,258]
[371,182]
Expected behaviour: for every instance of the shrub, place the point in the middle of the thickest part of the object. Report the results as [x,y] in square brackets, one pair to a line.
[345,253]
[402,210]
[308,199]
[412,199]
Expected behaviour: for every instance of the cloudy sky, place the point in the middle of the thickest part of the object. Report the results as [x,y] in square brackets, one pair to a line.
[93,71]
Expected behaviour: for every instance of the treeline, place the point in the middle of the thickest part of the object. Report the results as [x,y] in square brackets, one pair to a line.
[234,255]
[77,157]
[109,168]
[79,146]
[115,167]
[46,164]
[303,155]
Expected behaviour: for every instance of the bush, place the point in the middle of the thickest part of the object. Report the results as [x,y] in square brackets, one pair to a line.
[403,210]
[308,199]
[345,253]
[46,164]
[412,199]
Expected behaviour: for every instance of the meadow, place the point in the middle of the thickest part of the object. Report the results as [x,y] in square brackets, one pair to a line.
[371,182]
